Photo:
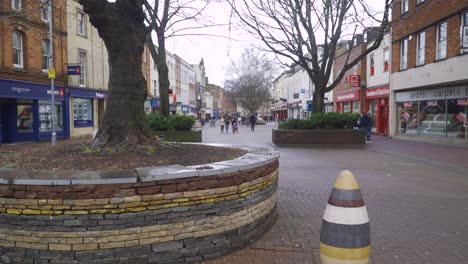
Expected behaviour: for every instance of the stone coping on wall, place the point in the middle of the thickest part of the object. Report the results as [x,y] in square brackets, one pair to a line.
[256,157]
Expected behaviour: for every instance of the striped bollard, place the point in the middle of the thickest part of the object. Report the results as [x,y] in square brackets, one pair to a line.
[345,231]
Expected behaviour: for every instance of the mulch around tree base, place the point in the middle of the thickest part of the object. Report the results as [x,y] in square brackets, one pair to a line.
[75,154]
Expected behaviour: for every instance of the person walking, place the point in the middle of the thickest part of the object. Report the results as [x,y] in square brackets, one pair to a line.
[226,123]
[221,124]
[365,123]
[253,121]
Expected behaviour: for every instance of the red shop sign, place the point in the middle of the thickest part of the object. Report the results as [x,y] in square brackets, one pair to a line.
[354,81]
[462,102]
[378,92]
[347,96]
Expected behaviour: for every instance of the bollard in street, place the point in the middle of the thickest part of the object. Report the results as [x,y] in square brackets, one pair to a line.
[345,231]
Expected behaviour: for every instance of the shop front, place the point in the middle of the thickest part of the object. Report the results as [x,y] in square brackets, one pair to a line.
[155,105]
[378,108]
[185,109]
[348,101]
[86,110]
[280,112]
[439,112]
[26,111]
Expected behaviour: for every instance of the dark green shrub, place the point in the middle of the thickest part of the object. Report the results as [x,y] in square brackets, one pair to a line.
[323,121]
[158,122]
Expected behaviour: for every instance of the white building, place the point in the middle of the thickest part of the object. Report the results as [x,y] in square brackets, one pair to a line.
[88,90]
[378,84]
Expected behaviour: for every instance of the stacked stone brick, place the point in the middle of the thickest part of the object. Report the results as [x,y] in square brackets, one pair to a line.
[182,220]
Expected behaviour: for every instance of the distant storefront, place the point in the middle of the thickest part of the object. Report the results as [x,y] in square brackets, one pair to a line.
[437,112]
[26,111]
[378,107]
[86,110]
[347,102]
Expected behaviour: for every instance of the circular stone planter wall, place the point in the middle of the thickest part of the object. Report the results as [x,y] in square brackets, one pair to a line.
[170,214]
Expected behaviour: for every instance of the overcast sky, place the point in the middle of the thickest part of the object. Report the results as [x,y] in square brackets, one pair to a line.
[219,51]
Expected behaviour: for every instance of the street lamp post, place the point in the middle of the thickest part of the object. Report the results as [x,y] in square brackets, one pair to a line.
[51,67]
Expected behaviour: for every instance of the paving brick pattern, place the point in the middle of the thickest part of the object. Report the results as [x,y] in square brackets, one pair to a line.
[416,196]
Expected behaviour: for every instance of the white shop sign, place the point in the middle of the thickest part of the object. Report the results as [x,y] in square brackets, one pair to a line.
[456,92]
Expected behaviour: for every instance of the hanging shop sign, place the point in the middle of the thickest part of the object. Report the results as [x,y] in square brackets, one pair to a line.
[354,81]
[74,69]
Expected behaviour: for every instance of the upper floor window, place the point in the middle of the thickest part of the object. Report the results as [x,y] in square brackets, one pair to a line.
[404,54]
[16,4]
[45,16]
[404,6]
[386,58]
[442,41]
[464,35]
[421,49]
[17,39]
[45,54]
[421,1]
[372,69]
[81,23]
[82,61]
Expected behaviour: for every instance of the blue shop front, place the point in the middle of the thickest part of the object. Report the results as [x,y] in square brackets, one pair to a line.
[26,111]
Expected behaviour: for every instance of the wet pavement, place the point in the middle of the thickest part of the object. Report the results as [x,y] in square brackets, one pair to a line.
[416,196]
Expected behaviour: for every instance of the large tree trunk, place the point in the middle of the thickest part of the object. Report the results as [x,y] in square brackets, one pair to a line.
[317,101]
[163,73]
[121,26]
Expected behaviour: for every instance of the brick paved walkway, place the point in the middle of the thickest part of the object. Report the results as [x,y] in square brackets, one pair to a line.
[416,195]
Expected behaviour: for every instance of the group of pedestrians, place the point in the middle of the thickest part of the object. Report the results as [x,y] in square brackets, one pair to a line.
[234,121]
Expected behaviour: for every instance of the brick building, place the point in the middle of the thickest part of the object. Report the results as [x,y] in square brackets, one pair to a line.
[25,93]
[429,80]
[349,93]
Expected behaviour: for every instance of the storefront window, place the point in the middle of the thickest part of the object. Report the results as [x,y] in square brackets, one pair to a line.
[408,118]
[457,124]
[45,116]
[25,119]
[373,113]
[432,118]
[355,106]
[82,112]
[346,107]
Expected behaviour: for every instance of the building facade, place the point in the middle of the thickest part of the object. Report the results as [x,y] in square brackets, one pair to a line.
[88,89]
[377,90]
[429,80]
[25,90]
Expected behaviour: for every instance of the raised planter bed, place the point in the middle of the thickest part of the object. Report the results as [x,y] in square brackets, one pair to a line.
[318,137]
[181,136]
[147,215]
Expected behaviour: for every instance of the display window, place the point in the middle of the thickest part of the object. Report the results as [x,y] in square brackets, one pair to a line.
[432,118]
[408,118]
[82,112]
[355,106]
[457,123]
[45,116]
[347,107]
[373,113]
[25,120]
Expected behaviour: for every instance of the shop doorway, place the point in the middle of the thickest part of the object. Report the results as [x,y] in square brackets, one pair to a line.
[100,112]
[383,119]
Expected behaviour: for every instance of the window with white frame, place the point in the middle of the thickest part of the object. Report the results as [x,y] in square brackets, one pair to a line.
[404,54]
[45,54]
[81,23]
[421,49]
[155,88]
[442,41]
[464,32]
[16,4]
[45,16]
[386,59]
[404,6]
[17,39]
[82,61]
[421,1]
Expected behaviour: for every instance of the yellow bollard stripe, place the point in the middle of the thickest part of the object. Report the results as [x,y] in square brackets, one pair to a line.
[327,260]
[345,253]
[346,181]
